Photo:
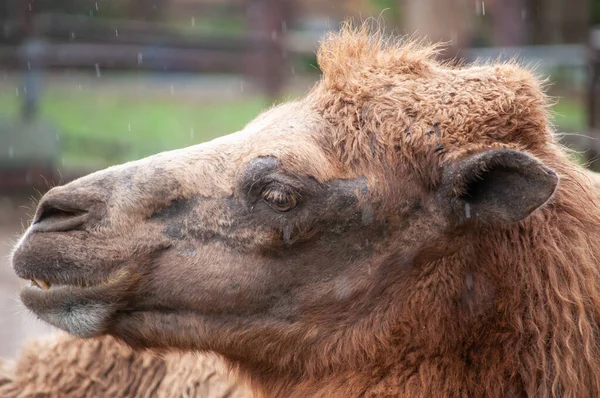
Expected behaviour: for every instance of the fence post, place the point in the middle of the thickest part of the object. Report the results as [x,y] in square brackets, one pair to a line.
[267,22]
[593,99]
[30,55]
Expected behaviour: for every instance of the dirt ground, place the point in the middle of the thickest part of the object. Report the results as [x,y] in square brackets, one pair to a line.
[16,323]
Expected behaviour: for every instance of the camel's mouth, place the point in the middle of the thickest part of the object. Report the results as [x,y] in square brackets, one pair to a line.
[49,285]
[46,285]
[42,284]
[78,307]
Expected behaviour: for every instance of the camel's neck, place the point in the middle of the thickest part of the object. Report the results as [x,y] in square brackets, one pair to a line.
[417,375]
[546,297]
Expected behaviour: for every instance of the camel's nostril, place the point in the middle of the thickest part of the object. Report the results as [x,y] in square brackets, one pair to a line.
[57,214]
[53,217]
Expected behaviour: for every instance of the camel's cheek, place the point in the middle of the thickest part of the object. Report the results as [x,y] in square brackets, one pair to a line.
[207,279]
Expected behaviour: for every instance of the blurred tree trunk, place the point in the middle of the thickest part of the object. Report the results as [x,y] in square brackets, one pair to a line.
[267,22]
[30,66]
[559,21]
[439,20]
[508,22]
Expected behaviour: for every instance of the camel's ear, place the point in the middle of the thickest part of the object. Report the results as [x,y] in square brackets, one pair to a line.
[496,186]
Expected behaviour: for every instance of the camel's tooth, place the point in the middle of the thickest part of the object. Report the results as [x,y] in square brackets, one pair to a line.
[42,283]
[34,283]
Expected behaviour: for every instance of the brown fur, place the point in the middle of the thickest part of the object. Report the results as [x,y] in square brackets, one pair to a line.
[64,366]
[443,244]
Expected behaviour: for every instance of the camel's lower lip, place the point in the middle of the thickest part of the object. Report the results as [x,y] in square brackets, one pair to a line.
[80,310]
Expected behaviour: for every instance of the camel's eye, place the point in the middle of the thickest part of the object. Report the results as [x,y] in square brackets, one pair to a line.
[280,199]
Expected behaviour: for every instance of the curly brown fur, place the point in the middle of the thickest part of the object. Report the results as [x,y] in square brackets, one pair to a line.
[65,366]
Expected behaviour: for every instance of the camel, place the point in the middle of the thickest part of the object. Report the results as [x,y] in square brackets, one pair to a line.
[408,228]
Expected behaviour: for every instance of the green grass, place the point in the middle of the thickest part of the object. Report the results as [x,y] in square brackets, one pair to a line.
[101,130]
[569,115]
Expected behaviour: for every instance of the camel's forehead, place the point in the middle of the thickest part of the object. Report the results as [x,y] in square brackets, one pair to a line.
[290,133]
[287,132]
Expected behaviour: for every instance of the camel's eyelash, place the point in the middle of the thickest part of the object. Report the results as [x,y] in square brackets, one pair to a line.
[278,193]
[281,198]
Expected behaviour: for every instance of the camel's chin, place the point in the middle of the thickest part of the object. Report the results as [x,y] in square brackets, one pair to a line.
[68,308]
[83,311]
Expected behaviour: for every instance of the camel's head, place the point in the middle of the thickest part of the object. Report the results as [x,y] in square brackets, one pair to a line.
[314,226]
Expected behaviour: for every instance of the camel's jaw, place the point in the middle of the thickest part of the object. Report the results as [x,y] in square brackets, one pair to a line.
[84,311]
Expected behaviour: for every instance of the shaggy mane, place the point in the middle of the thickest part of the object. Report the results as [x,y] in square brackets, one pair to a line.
[390,103]
[550,262]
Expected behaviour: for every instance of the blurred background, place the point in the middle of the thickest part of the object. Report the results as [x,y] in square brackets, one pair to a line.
[85,84]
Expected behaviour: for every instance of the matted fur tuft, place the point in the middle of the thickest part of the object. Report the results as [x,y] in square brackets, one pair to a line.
[65,366]
[355,50]
[390,102]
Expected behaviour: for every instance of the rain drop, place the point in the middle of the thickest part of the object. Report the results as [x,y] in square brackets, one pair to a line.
[57,138]
[192,134]
[11,151]
[242,87]
[97,70]
[172,90]
[28,65]
[117,32]
[287,236]
[140,58]
[29,6]
[129,126]
[469,281]
[467,211]
[193,21]
[96,6]
[72,35]
[17,91]
[273,35]
[367,215]
[79,87]
[483,8]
